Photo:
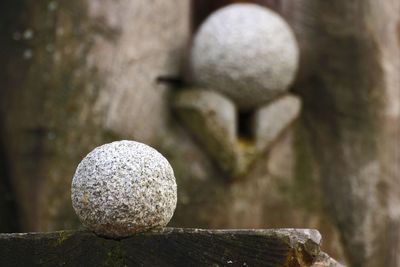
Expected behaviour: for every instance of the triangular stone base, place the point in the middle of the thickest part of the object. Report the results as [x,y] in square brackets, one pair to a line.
[213,120]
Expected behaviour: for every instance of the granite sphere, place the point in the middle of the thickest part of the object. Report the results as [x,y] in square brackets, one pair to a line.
[122,188]
[246,52]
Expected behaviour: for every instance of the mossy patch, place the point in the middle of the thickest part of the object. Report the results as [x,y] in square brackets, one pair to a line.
[116,257]
[60,237]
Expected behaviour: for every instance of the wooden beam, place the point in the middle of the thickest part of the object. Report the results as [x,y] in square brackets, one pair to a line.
[166,247]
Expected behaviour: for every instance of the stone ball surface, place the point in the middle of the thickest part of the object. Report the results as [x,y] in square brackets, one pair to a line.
[122,188]
[246,52]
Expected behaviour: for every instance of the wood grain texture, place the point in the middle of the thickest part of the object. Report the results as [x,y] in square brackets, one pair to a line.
[167,247]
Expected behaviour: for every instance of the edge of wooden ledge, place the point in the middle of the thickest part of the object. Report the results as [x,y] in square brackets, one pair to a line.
[167,247]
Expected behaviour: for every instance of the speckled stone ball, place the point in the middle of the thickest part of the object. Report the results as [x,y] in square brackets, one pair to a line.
[122,188]
[247,52]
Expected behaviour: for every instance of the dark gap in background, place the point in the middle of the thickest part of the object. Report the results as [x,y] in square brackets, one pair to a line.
[10,12]
[245,125]
[8,210]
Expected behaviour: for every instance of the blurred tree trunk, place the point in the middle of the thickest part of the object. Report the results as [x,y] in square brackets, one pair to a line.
[80,73]
[351,88]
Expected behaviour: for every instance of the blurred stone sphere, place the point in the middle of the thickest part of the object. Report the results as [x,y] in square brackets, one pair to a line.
[246,52]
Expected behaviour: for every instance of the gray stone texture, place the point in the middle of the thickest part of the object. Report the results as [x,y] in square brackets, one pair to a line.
[246,52]
[213,120]
[270,120]
[123,188]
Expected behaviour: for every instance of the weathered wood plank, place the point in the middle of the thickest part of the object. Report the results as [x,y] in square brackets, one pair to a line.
[167,247]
